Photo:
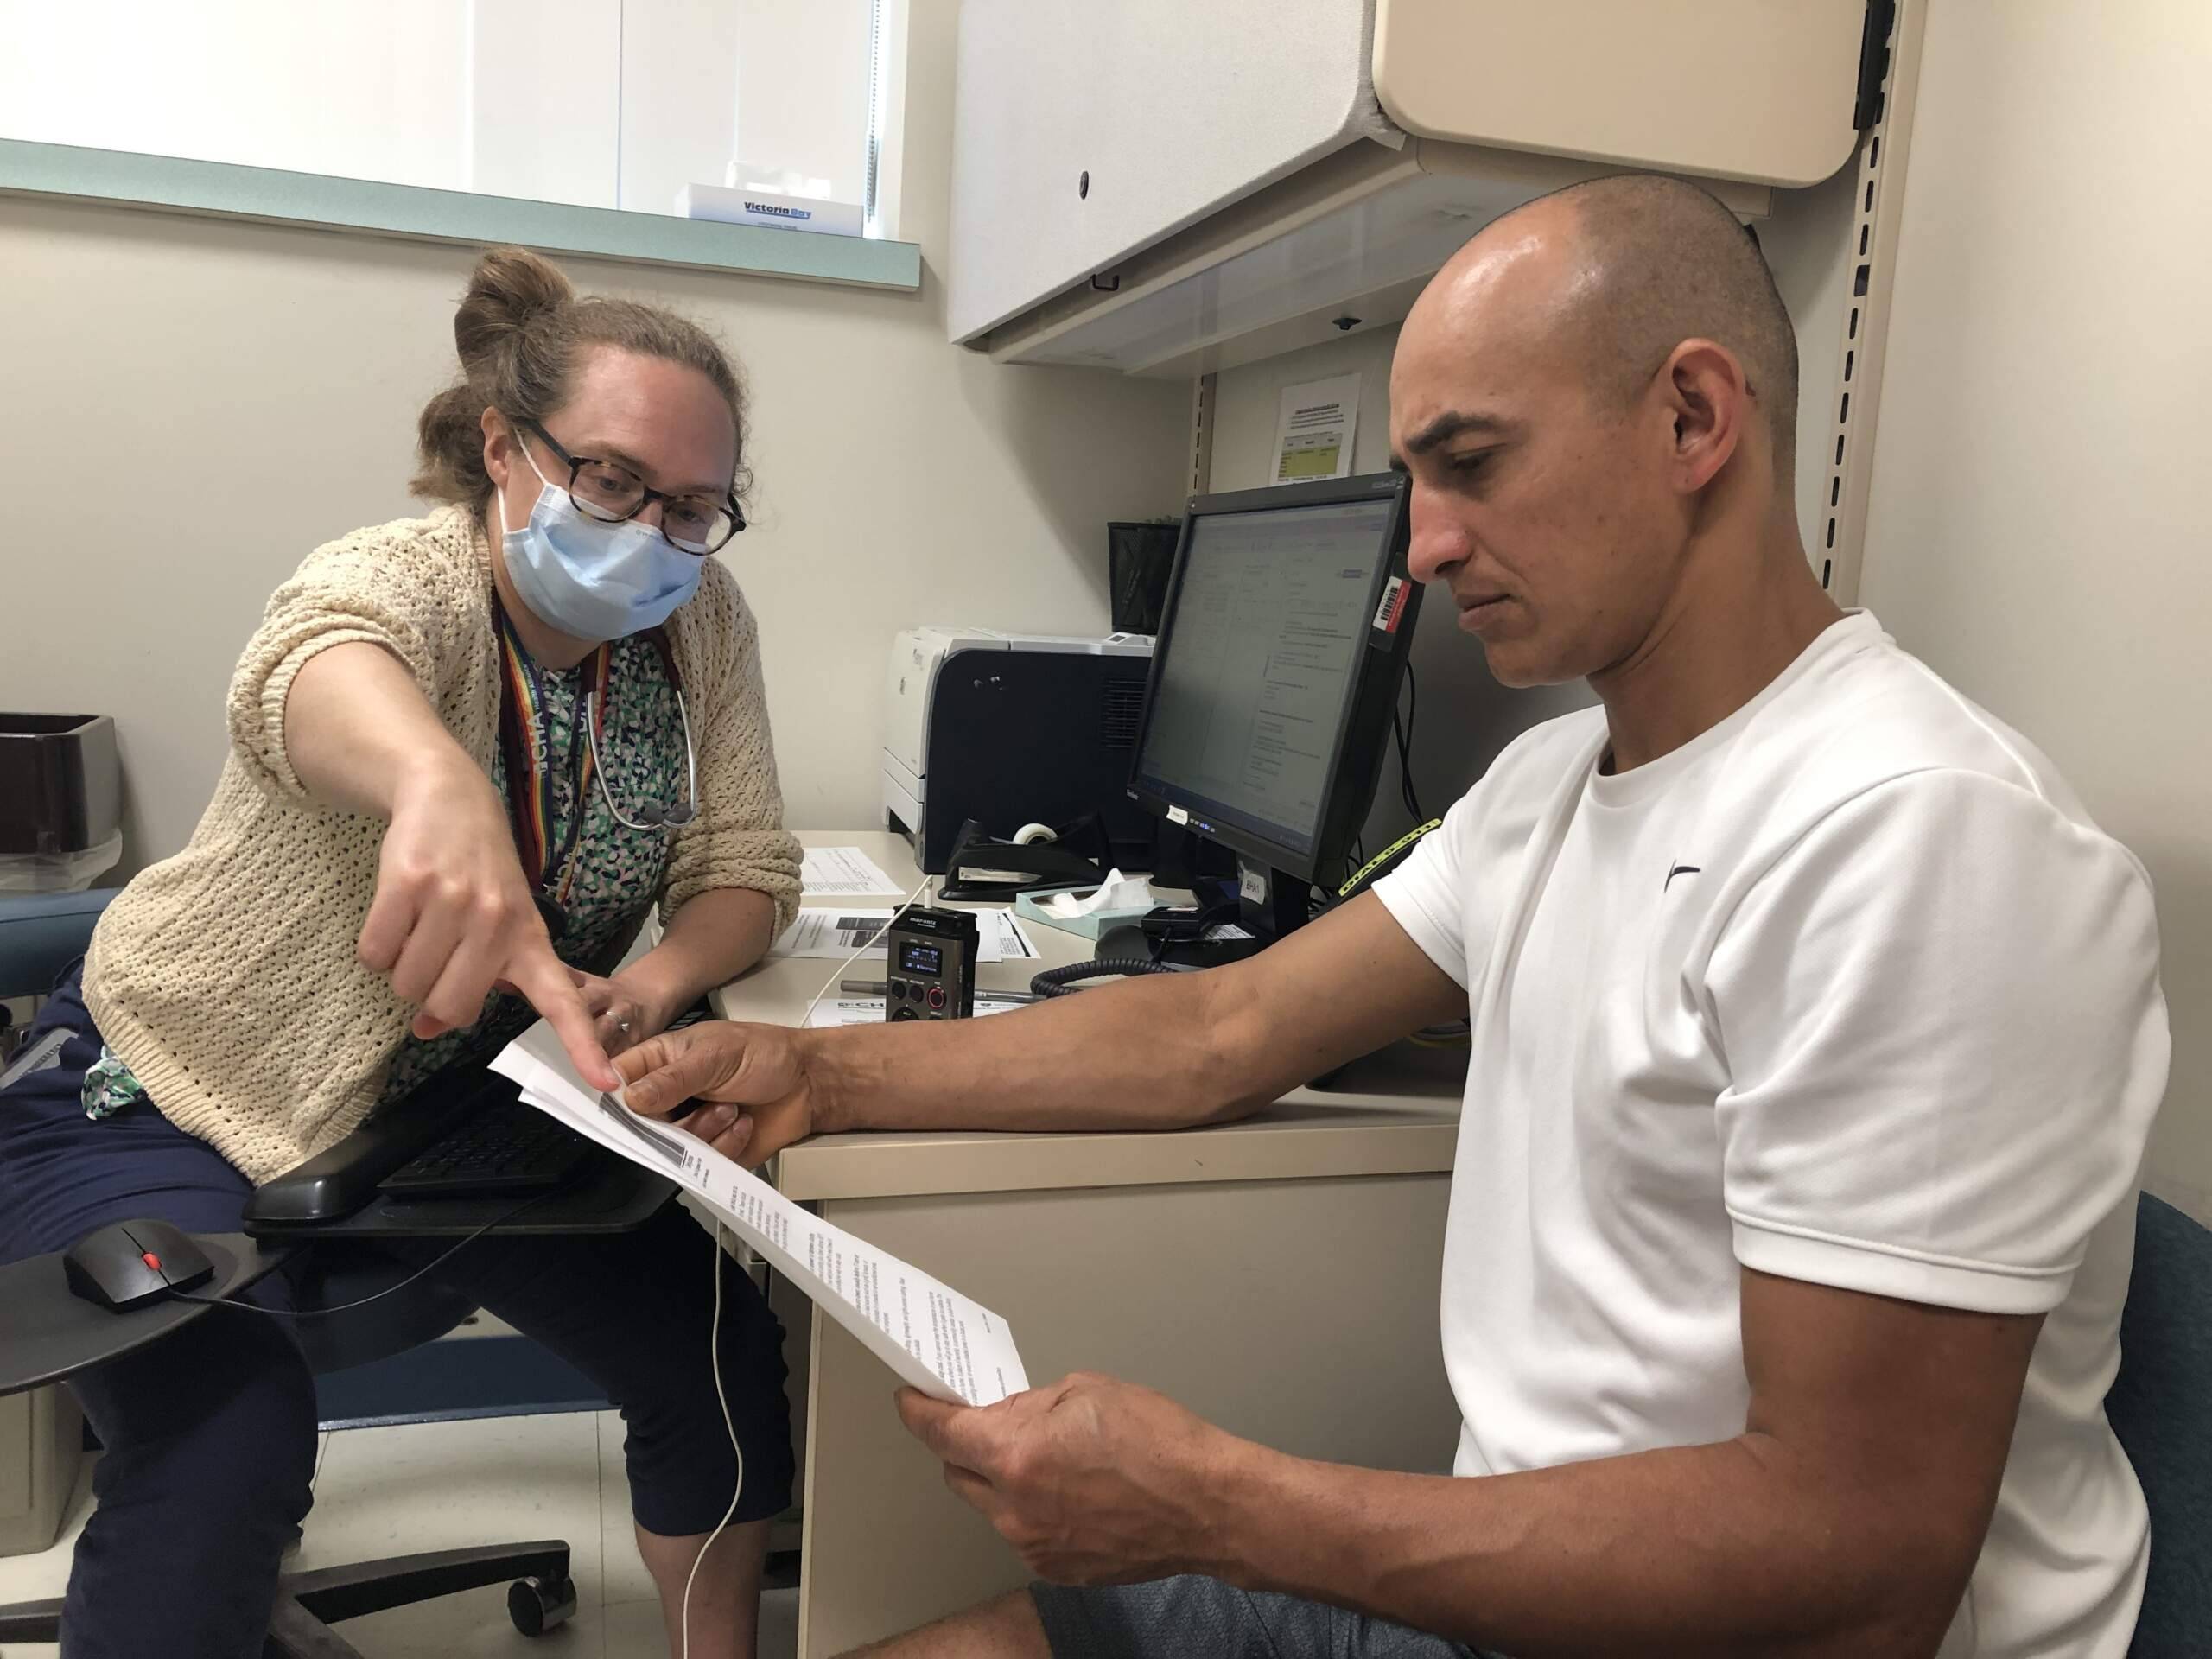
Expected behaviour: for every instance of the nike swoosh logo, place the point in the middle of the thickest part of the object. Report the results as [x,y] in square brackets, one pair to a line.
[1681,869]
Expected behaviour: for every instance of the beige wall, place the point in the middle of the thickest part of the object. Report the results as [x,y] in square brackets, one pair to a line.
[1465,717]
[190,404]
[2038,528]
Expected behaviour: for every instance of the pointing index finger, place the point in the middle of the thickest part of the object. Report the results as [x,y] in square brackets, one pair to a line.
[545,981]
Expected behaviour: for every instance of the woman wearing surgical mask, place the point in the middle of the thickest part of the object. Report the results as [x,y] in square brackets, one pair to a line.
[470,754]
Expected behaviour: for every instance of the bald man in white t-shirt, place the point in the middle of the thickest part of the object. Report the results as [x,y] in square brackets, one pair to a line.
[1817,1036]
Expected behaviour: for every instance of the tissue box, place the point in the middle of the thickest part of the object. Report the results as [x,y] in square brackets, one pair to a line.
[1027,905]
[766,207]
[60,782]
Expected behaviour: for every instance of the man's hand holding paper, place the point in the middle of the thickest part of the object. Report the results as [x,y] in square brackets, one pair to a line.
[1092,1480]
[756,1093]
[933,1339]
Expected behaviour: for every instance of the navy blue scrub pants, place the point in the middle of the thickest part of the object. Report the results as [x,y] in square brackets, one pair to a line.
[210,1433]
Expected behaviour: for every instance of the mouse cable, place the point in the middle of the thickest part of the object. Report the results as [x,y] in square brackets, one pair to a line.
[715,1355]
[431,1266]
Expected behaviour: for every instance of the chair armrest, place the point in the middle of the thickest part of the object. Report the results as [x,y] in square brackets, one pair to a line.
[42,933]
[342,1178]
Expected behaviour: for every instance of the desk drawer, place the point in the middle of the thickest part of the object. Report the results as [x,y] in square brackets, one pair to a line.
[41,1443]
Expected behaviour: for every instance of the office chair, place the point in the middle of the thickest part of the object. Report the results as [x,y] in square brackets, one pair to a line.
[2157,1407]
[39,937]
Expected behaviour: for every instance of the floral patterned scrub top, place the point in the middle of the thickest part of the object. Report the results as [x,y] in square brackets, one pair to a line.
[617,871]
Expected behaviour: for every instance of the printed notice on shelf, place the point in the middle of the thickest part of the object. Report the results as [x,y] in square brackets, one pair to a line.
[838,872]
[1315,422]
[931,1336]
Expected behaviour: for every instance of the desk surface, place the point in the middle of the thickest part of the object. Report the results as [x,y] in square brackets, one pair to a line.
[1395,1112]
[49,1332]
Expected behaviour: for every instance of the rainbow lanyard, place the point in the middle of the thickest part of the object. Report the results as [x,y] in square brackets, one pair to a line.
[524,741]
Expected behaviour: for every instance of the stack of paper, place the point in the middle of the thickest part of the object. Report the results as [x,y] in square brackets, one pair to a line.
[829,872]
[931,1335]
[869,1010]
[838,933]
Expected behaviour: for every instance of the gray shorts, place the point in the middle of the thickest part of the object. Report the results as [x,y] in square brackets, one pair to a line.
[1195,1617]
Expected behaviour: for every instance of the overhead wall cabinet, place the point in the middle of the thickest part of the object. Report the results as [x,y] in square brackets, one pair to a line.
[1169,189]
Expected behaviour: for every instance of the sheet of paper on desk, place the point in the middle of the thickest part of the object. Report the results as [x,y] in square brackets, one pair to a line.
[868,1010]
[1003,938]
[829,933]
[835,934]
[834,872]
[931,1335]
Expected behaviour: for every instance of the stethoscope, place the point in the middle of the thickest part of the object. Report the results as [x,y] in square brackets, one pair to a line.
[551,869]
[652,814]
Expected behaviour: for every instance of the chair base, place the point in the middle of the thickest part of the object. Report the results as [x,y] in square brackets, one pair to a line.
[308,1603]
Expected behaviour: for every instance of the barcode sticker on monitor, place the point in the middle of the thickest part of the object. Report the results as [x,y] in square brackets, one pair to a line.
[1393,605]
[1177,815]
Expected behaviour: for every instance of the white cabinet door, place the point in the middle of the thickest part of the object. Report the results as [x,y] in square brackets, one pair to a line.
[1085,131]
[1760,90]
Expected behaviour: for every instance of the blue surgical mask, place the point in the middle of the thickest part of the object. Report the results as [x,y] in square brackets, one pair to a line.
[591,578]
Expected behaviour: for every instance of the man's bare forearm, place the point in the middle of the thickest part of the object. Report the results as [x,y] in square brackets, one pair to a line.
[1166,1051]
[1845,1520]
[1711,1550]
[1148,1053]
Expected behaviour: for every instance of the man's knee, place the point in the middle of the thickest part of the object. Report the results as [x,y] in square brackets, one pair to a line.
[1007,1628]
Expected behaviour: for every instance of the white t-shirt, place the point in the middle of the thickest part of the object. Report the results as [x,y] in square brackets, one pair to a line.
[1849,989]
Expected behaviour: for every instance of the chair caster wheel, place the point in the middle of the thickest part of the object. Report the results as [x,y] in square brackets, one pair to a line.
[536,1605]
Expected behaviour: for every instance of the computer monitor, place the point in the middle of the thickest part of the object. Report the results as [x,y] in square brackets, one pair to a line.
[1288,616]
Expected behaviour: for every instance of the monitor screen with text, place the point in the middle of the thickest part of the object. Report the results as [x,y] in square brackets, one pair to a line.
[1261,655]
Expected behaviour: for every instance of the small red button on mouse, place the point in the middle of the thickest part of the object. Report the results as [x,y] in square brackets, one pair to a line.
[151,1261]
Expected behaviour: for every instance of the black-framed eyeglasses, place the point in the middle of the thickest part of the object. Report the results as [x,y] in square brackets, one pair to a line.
[611,492]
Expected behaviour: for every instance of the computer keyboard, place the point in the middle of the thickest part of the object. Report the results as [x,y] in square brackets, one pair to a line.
[507,1148]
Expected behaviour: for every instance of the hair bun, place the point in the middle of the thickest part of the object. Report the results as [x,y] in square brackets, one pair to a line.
[524,336]
[507,289]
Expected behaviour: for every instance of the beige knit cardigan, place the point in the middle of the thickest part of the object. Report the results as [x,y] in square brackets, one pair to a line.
[225,977]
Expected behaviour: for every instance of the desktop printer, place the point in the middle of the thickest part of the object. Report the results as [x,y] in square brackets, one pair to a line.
[1011,730]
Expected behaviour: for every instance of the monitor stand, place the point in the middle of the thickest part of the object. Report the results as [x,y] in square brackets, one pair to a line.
[1270,903]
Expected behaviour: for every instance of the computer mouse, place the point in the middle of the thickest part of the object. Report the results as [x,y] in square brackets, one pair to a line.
[127,1264]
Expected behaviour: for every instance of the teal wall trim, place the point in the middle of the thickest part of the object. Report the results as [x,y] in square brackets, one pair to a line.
[173,184]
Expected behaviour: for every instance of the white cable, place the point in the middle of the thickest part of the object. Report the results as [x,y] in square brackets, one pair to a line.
[874,939]
[714,1331]
[715,1355]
